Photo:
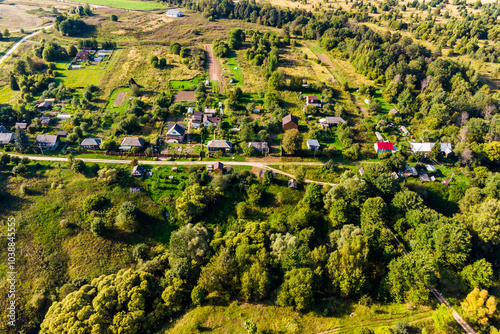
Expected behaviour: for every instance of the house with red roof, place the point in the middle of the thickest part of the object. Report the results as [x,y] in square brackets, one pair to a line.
[383,147]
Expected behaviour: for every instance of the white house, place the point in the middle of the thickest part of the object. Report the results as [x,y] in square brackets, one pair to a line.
[425,148]
[312,100]
[174,13]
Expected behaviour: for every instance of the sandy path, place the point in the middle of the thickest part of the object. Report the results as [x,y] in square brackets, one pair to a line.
[214,71]
[11,50]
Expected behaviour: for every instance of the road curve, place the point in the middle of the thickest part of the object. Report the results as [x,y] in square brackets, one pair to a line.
[185,163]
[24,39]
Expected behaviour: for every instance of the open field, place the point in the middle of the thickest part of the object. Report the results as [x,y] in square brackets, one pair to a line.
[129,4]
[273,319]
[13,16]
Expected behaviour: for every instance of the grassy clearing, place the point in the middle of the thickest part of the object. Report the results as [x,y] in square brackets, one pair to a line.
[230,65]
[129,4]
[189,84]
[114,105]
[273,319]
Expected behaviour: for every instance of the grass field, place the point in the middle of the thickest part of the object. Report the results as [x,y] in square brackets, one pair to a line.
[128,4]
[273,319]
[118,106]
[230,64]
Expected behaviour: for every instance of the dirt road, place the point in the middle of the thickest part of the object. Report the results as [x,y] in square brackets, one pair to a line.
[12,49]
[184,163]
[324,59]
[214,71]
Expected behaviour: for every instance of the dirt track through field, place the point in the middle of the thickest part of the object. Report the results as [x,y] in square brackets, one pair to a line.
[324,59]
[120,99]
[214,71]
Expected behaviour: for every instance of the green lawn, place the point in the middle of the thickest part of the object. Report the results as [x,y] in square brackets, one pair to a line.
[120,109]
[186,84]
[128,4]
[230,65]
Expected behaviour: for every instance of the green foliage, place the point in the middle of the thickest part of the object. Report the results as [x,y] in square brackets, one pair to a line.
[140,252]
[297,290]
[479,306]
[478,274]
[219,275]
[94,202]
[127,217]
[292,141]
[113,18]
[98,227]
[444,321]
[189,242]
[130,300]
[175,48]
[409,277]
[198,295]
[220,48]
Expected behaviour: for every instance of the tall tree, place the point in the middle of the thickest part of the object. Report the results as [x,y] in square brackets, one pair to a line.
[292,141]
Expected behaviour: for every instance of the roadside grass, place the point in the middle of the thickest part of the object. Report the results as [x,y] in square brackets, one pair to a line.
[129,4]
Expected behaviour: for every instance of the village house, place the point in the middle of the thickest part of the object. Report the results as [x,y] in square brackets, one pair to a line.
[394,112]
[45,105]
[262,173]
[425,148]
[290,122]
[91,143]
[23,126]
[210,121]
[409,171]
[312,100]
[257,110]
[404,130]
[261,147]
[62,133]
[6,138]
[379,136]
[331,121]
[47,141]
[3,129]
[218,168]
[45,120]
[219,145]
[137,171]
[130,142]
[209,112]
[174,13]
[312,144]
[175,133]
[292,184]
[83,55]
[384,147]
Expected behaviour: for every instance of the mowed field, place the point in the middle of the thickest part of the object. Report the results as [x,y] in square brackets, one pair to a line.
[128,4]
[14,17]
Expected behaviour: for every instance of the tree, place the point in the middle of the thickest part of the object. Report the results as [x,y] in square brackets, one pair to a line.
[6,33]
[409,277]
[313,198]
[220,274]
[175,48]
[254,193]
[21,140]
[479,307]
[297,289]
[131,300]
[444,321]
[94,202]
[98,227]
[13,83]
[189,242]
[220,48]
[198,295]
[78,166]
[492,149]
[114,18]
[19,169]
[478,274]
[140,252]
[250,326]
[255,282]
[235,38]
[292,141]
[435,152]
[405,201]
[127,217]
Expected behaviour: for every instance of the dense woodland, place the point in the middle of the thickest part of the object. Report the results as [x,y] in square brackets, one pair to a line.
[369,239]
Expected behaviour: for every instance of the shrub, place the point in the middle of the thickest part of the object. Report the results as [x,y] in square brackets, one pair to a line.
[94,202]
[98,227]
[140,252]
[114,18]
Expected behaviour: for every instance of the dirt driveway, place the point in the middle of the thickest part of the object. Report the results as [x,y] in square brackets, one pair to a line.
[214,71]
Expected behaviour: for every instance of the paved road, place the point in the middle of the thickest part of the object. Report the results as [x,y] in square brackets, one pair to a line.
[188,163]
[11,50]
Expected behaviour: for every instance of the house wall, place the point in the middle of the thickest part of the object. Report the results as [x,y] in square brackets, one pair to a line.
[290,125]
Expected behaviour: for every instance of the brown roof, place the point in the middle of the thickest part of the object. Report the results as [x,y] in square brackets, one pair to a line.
[133,141]
[290,118]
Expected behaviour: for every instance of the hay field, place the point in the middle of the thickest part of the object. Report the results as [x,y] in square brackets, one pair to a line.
[14,17]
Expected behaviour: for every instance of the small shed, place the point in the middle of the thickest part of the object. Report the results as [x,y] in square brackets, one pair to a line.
[293,184]
[175,169]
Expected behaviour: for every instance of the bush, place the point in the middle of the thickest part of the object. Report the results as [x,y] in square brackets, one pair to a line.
[198,295]
[114,18]
[94,202]
[140,252]
[98,227]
